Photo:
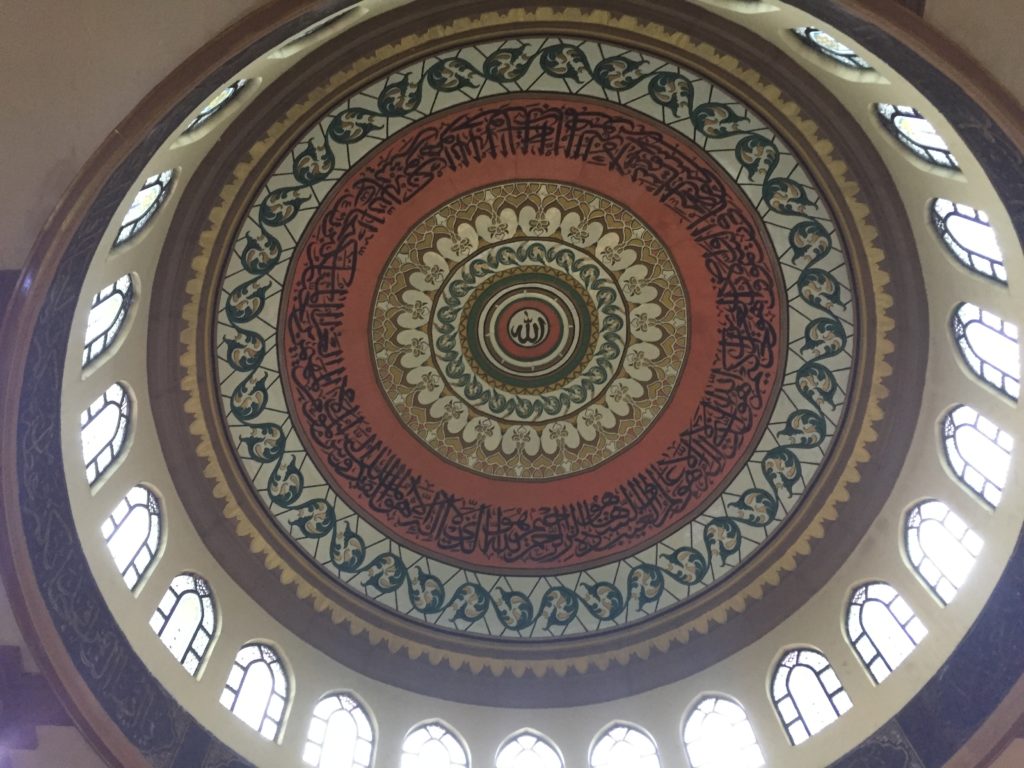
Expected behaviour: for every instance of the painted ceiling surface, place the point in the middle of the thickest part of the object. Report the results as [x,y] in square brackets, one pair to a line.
[535,337]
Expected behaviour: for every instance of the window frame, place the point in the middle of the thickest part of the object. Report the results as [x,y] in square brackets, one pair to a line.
[208,604]
[129,230]
[936,156]
[105,340]
[99,464]
[966,256]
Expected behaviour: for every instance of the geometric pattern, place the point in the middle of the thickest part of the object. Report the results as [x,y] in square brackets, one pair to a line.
[467,546]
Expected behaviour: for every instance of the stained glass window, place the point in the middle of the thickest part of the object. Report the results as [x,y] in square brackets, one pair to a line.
[132,532]
[969,236]
[941,547]
[990,345]
[257,689]
[917,134]
[807,694]
[104,429]
[824,43]
[978,451]
[107,314]
[623,746]
[882,628]
[145,205]
[340,734]
[186,620]
[528,749]
[717,734]
[215,105]
[433,746]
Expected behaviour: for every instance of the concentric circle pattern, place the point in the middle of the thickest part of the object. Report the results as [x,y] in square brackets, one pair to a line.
[529,330]
[535,337]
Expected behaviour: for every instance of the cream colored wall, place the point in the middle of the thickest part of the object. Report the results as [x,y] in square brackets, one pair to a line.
[71,72]
[989,30]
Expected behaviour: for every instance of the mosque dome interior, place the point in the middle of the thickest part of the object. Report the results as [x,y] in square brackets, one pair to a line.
[595,384]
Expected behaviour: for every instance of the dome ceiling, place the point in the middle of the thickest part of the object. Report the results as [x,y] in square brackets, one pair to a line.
[529,339]
[512,358]
[496,353]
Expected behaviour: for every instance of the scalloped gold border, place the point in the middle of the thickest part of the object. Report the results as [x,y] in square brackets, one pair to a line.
[719,613]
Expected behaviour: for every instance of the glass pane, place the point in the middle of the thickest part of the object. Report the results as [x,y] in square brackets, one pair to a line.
[917,134]
[107,313]
[990,346]
[968,234]
[339,735]
[528,750]
[433,746]
[132,533]
[807,693]
[979,452]
[941,547]
[718,735]
[216,104]
[185,621]
[827,45]
[622,746]
[144,206]
[104,429]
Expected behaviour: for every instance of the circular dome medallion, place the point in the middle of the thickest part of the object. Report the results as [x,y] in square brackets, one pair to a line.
[518,360]
[529,330]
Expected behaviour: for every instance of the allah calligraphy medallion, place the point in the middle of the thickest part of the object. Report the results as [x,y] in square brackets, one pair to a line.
[535,337]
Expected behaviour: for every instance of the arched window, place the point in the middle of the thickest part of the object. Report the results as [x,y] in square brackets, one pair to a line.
[807,694]
[825,44]
[969,236]
[882,628]
[917,134]
[941,547]
[145,205]
[528,749]
[623,746]
[717,734]
[132,532]
[107,313]
[433,746]
[990,346]
[215,105]
[186,619]
[257,689]
[340,734]
[104,429]
[978,451]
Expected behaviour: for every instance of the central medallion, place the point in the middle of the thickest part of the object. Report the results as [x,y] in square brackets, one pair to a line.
[529,330]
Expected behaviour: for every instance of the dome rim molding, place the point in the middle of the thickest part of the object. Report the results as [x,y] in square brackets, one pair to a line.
[65,224]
